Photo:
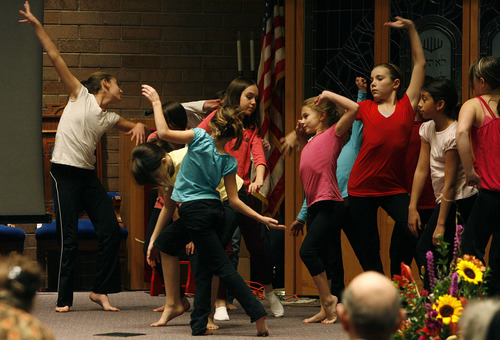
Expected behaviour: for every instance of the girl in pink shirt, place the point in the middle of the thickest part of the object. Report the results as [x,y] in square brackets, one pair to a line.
[318,166]
[479,122]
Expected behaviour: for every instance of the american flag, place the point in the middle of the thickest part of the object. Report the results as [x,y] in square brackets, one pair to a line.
[270,77]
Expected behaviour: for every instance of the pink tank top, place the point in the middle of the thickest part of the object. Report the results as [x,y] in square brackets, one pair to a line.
[486,145]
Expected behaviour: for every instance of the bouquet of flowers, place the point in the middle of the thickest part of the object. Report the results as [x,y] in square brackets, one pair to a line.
[434,314]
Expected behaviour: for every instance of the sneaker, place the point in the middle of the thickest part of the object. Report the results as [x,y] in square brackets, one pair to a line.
[275,304]
[221,314]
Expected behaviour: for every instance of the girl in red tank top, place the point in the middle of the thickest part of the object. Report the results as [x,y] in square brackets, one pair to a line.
[479,121]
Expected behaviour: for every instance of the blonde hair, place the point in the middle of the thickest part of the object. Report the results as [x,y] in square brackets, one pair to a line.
[227,124]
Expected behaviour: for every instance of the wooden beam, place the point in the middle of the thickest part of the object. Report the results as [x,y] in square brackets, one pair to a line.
[294,17]
[132,211]
[381,51]
[470,43]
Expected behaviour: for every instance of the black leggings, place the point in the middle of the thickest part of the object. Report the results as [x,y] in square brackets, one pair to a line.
[201,219]
[323,235]
[74,189]
[483,222]
[464,207]
[403,243]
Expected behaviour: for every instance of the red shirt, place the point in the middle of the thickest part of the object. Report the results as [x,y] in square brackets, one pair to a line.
[379,169]
[486,145]
[427,199]
[252,144]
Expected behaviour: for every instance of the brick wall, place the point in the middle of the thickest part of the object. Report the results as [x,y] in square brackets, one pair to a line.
[185,49]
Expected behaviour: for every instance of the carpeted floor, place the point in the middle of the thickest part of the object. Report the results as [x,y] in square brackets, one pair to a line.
[87,321]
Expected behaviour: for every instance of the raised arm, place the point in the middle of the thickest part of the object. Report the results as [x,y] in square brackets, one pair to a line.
[164,132]
[350,107]
[417,51]
[70,82]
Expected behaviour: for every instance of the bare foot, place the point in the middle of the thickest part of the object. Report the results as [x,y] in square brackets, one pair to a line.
[330,309]
[185,303]
[230,306]
[211,325]
[316,318]
[62,309]
[103,301]
[262,329]
[168,314]
[159,309]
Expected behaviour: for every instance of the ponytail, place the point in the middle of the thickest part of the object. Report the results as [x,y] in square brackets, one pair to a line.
[93,83]
[226,124]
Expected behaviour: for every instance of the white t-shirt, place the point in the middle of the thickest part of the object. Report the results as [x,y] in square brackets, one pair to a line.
[440,142]
[81,127]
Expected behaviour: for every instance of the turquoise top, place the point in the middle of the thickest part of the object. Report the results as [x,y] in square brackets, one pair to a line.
[202,170]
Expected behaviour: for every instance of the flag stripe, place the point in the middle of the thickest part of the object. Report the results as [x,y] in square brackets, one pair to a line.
[271,71]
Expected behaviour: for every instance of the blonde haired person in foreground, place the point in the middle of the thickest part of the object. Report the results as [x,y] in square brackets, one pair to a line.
[371,307]
[19,282]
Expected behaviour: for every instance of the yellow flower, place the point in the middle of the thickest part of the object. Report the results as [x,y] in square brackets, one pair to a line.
[449,308]
[469,272]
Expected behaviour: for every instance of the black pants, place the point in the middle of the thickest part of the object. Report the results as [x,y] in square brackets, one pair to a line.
[336,261]
[201,219]
[403,243]
[75,189]
[250,231]
[323,236]
[483,222]
[464,207]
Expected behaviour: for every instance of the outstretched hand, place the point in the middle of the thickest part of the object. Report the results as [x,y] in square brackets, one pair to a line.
[139,132]
[272,223]
[150,93]
[297,228]
[30,18]
[400,23]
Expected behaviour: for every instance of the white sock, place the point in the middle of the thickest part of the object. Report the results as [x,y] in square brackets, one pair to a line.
[221,314]
[275,304]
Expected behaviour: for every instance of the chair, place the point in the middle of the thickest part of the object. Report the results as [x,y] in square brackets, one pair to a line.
[157,285]
[11,239]
[48,249]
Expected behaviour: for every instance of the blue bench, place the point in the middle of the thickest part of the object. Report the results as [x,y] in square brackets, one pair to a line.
[11,239]
[48,250]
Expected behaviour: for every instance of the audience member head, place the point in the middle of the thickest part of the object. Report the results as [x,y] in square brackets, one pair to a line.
[19,281]
[371,307]
[481,320]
